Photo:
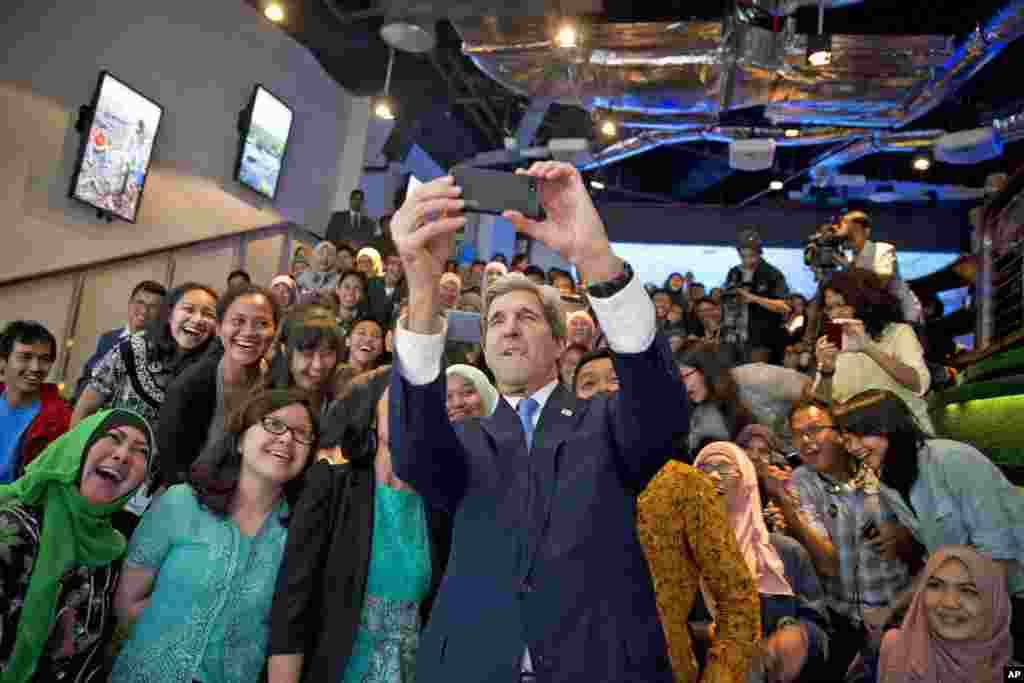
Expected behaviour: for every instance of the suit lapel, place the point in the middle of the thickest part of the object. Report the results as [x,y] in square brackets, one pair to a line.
[557,422]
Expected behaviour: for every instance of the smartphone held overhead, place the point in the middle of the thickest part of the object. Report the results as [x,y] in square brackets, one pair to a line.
[494,192]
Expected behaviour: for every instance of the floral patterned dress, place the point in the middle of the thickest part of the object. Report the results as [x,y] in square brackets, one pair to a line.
[85,617]
[398,581]
[687,540]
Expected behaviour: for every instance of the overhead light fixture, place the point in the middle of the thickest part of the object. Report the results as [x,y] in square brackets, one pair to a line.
[274,12]
[819,50]
[597,185]
[792,133]
[383,109]
[819,47]
[921,163]
[609,129]
[566,36]
[775,185]
[409,37]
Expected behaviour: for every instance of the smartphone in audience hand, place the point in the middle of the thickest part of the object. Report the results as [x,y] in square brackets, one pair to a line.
[834,334]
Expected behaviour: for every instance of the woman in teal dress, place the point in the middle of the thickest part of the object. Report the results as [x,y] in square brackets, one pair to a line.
[200,571]
[364,559]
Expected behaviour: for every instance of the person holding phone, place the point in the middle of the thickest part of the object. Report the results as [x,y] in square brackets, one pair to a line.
[547,579]
[867,345]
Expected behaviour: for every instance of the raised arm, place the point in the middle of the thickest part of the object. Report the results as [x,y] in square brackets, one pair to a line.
[425,450]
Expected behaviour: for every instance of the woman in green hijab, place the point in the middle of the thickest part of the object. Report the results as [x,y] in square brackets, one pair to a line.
[57,548]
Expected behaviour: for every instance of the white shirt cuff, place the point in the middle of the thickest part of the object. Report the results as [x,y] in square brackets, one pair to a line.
[627,318]
[419,354]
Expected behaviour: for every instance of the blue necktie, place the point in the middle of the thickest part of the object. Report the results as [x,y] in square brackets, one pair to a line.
[526,409]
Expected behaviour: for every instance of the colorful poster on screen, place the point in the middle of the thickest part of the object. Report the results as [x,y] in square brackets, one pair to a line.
[115,160]
[263,150]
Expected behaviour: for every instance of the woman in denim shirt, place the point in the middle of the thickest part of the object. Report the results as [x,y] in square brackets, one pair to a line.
[200,571]
[945,492]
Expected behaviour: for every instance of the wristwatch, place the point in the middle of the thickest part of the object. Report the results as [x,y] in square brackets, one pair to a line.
[603,290]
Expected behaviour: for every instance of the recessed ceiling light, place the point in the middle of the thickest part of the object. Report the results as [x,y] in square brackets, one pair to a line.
[921,163]
[775,185]
[597,185]
[608,128]
[566,36]
[274,12]
[792,133]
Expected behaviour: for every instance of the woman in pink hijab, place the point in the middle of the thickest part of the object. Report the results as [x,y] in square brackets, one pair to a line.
[958,626]
[793,617]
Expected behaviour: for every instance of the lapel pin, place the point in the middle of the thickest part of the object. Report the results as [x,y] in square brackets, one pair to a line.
[566,412]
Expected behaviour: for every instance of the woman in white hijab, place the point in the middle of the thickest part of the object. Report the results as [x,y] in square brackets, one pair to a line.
[470,393]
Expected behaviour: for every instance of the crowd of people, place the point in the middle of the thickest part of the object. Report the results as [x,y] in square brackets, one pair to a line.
[386,466]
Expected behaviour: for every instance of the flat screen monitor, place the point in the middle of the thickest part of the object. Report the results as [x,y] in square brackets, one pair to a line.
[111,170]
[264,143]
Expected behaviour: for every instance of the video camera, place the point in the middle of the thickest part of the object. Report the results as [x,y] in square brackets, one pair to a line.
[823,246]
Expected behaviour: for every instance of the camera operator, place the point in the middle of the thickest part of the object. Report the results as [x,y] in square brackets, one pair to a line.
[754,303]
[878,257]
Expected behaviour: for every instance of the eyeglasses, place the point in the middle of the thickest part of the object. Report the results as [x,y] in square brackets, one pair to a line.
[810,433]
[724,470]
[278,427]
[684,374]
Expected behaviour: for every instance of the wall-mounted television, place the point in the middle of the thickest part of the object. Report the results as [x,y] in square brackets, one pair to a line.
[111,169]
[266,126]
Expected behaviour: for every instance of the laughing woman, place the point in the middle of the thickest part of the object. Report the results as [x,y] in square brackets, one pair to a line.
[198,403]
[136,372]
[364,560]
[58,549]
[308,360]
[199,576]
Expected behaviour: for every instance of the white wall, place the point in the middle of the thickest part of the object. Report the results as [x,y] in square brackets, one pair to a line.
[200,60]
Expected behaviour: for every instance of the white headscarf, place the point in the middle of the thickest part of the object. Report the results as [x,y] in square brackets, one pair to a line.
[488,394]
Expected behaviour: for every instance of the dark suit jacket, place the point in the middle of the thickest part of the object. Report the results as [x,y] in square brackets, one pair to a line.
[545,549]
[104,344]
[321,586]
[343,229]
[378,304]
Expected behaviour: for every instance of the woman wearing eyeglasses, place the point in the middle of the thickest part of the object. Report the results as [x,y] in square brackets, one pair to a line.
[364,560]
[945,492]
[793,618]
[200,572]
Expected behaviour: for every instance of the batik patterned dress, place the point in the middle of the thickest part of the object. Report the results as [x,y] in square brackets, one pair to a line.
[398,581]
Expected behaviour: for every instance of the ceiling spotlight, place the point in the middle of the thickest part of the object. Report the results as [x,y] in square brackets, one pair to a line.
[921,163]
[566,36]
[792,133]
[819,49]
[274,12]
[597,185]
[609,129]
[775,185]
[383,110]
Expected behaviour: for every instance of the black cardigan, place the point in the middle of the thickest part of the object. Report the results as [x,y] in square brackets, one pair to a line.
[322,581]
[185,416]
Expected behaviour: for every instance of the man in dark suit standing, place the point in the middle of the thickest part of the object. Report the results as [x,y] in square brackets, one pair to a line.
[352,226]
[547,580]
[144,305]
[384,294]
